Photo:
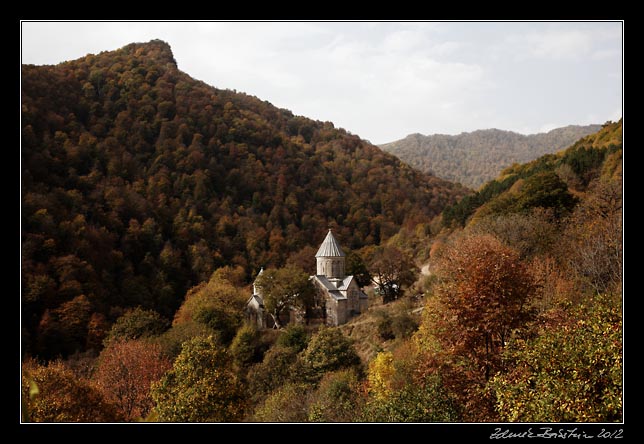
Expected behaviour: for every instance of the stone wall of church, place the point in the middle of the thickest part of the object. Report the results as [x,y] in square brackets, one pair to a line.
[336,312]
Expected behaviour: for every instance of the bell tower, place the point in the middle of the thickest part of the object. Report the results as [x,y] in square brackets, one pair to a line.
[330,259]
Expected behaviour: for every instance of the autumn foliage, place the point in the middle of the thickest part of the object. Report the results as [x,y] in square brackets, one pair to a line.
[125,372]
[63,397]
[139,181]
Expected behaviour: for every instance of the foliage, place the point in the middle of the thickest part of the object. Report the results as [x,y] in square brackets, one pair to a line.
[64,330]
[391,270]
[53,393]
[477,157]
[288,403]
[201,387]
[279,367]
[577,167]
[138,181]
[414,403]
[545,190]
[171,340]
[485,289]
[304,259]
[245,346]
[137,323]
[594,236]
[396,393]
[284,288]
[294,336]
[337,398]
[217,305]
[571,372]
[398,323]
[356,267]
[125,371]
[383,325]
[329,350]
[404,324]
[530,233]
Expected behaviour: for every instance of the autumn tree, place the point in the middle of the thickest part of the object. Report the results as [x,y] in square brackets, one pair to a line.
[356,267]
[62,396]
[281,365]
[397,390]
[139,181]
[304,259]
[125,372]
[486,290]
[571,371]
[216,304]
[137,323]
[594,238]
[391,270]
[289,403]
[337,398]
[284,288]
[245,346]
[329,350]
[294,336]
[545,190]
[200,387]
[481,299]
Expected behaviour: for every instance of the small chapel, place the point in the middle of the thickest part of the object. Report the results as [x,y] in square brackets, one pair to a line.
[340,294]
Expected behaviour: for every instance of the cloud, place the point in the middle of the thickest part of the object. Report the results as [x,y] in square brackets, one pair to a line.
[559,44]
[381,80]
[606,54]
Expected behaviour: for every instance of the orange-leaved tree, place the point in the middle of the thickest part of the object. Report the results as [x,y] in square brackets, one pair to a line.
[126,369]
[483,296]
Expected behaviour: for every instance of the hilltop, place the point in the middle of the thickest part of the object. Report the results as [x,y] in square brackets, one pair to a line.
[139,181]
[479,156]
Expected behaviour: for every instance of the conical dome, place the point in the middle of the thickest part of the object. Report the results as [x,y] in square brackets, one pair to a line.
[330,247]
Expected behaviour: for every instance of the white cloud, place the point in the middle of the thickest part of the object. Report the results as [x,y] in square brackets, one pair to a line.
[606,54]
[382,81]
[559,44]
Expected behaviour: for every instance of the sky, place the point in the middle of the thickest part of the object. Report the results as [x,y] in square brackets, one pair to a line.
[384,80]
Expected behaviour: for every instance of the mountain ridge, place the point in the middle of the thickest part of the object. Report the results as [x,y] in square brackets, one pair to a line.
[475,157]
[139,181]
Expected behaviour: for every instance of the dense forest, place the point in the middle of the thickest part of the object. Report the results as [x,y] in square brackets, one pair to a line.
[135,276]
[477,157]
[139,181]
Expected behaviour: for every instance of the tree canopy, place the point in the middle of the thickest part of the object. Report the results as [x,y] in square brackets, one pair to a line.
[139,181]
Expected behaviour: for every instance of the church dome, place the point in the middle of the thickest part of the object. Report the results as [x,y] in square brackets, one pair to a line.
[330,247]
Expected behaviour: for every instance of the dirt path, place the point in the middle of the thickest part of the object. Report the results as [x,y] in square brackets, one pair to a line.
[424,270]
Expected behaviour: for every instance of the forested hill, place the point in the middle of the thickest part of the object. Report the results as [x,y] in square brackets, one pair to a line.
[138,181]
[557,182]
[477,157]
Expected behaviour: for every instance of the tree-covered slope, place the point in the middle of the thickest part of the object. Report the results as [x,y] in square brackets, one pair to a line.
[477,157]
[554,181]
[138,181]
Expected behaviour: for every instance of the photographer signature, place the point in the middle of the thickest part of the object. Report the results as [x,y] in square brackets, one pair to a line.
[550,433]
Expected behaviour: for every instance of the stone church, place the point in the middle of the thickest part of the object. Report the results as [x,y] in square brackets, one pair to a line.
[341,297]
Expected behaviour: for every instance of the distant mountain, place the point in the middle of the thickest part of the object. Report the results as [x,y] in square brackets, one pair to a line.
[138,181]
[477,157]
[553,181]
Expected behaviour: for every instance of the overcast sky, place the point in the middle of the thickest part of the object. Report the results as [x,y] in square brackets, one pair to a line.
[383,81]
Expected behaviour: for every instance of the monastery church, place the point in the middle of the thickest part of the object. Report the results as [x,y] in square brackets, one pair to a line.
[343,298]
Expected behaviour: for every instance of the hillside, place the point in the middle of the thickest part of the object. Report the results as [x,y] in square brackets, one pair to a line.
[554,181]
[477,157]
[138,181]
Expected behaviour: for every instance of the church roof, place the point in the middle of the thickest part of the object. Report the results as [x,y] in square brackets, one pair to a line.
[345,283]
[329,287]
[259,301]
[330,247]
